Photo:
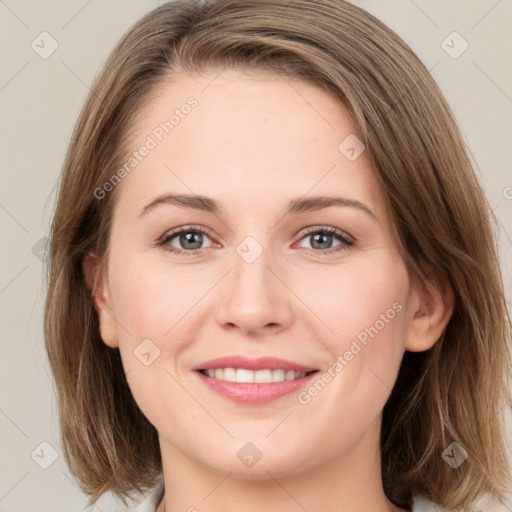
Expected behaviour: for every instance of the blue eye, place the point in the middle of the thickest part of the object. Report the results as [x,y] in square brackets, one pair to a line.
[191,238]
[324,236]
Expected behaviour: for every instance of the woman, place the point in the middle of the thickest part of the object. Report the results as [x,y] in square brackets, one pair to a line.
[335,336]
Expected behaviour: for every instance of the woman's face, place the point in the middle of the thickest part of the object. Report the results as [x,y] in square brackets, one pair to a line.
[278,273]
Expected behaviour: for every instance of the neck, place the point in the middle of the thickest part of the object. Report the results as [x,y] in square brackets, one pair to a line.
[351,481]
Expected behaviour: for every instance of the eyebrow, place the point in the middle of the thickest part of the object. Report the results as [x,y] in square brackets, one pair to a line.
[298,205]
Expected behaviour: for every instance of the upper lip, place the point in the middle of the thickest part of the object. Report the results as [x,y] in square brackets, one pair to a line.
[260,363]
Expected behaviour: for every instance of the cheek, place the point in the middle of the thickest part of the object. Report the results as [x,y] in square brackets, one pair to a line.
[365,307]
[354,298]
[154,316]
[156,323]
[151,299]
[362,309]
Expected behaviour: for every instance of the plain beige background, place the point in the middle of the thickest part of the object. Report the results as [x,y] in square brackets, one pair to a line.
[40,99]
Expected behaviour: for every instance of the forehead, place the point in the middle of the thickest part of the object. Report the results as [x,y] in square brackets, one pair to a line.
[254,134]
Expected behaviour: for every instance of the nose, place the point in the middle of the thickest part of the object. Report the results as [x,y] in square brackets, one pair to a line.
[254,297]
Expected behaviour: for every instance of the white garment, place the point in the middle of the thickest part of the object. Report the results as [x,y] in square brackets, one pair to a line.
[153,498]
[422,505]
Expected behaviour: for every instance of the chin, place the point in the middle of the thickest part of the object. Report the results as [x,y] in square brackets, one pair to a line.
[250,460]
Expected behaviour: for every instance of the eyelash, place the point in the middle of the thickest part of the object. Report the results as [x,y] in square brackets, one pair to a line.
[346,242]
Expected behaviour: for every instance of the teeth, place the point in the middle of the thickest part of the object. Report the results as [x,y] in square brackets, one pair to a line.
[245,376]
[229,374]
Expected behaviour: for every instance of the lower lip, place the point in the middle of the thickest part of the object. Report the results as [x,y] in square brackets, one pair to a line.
[255,393]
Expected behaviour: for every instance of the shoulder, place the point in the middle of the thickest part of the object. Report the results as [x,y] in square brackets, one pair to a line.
[149,501]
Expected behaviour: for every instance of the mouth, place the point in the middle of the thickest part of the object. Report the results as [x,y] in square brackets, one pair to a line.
[254,381]
[246,376]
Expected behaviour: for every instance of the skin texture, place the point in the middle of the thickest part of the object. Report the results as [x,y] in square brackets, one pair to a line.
[253,143]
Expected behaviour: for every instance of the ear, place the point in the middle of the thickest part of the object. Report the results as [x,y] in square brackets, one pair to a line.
[431,307]
[98,286]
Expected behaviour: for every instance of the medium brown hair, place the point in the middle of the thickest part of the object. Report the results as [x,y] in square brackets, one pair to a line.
[454,392]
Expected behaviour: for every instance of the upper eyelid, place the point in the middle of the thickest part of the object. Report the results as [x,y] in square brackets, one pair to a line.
[169,235]
[303,233]
[335,231]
